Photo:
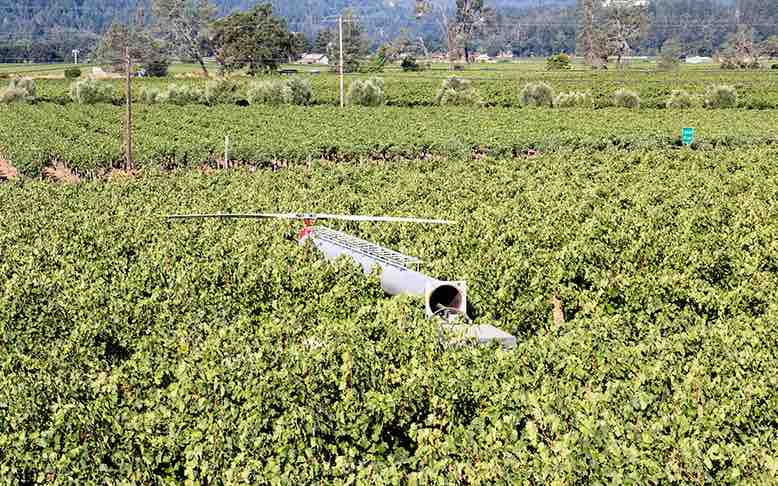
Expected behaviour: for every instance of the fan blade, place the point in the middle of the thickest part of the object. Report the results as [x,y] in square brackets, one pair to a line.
[310,216]
[383,219]
[237,216]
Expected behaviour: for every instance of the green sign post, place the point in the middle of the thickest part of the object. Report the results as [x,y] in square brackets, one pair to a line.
[687,136]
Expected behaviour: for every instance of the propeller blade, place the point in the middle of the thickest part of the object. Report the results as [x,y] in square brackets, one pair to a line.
[383,219]
[237,216]
[310,216]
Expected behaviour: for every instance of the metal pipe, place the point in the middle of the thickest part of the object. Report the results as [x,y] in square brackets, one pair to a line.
[440,297]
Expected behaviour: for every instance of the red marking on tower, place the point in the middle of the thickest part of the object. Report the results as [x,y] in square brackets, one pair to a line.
[306,231]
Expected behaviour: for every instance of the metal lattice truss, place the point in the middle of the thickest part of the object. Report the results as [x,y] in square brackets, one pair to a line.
[384,255]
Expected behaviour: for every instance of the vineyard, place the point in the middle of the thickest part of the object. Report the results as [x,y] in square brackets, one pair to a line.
[137,349]
[639,276]
[89,138]
[500,86]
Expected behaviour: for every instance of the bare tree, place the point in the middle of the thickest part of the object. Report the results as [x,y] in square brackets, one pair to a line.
[627,24]
[185,22]
[460,26]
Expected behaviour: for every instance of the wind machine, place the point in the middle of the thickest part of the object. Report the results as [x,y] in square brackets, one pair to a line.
[400,274]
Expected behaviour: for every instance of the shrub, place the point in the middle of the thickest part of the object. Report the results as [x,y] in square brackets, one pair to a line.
[271,92]
[181,95]
[409,64]
[369,92]
[669,55]
[87,92]
[774,66]
[13,95]
[574,100]
[679,99]
[26,85]
[19,91]
[300,91]
[292,91]
[625,98]
[537,94]
[150,95]
[457,92]
[72,73]
[721,96]
[156,68]
[558,62]
[220,91]
[734,62]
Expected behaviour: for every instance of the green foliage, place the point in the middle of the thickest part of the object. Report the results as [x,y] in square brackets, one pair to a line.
[219,353]
[181,95]
[89,92]
[409,64]
[300,91]
[559,62]
[374,64]
[291,91]
[367,92]
[679,100]
[72,73]
[150,95]
[721,96]
[184,136]
[624,98]
[270,92]
[221,90]
[574,99]
[457,91]
[757,90]
[255,39]
[537,95]
[156,68]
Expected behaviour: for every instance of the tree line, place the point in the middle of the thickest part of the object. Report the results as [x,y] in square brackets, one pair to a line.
[260,38]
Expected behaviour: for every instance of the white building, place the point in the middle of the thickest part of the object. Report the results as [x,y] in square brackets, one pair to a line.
[314,59]
[698,60]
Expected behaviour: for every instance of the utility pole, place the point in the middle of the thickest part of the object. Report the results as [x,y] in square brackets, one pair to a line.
[342,87]
[128,146]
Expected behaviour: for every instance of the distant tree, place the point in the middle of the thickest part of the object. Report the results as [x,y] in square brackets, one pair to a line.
[323,40]
[589,42]
[559,62]
[141,46]
[255,39]
[740,51]
[298,46]
[669,57]
[409,64]
[769,47]
[627,25]
[184,24]
[355,44]
[467,21]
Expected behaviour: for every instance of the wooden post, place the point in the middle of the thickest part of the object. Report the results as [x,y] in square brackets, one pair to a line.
[342,94]
[226,151]
[128,146]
